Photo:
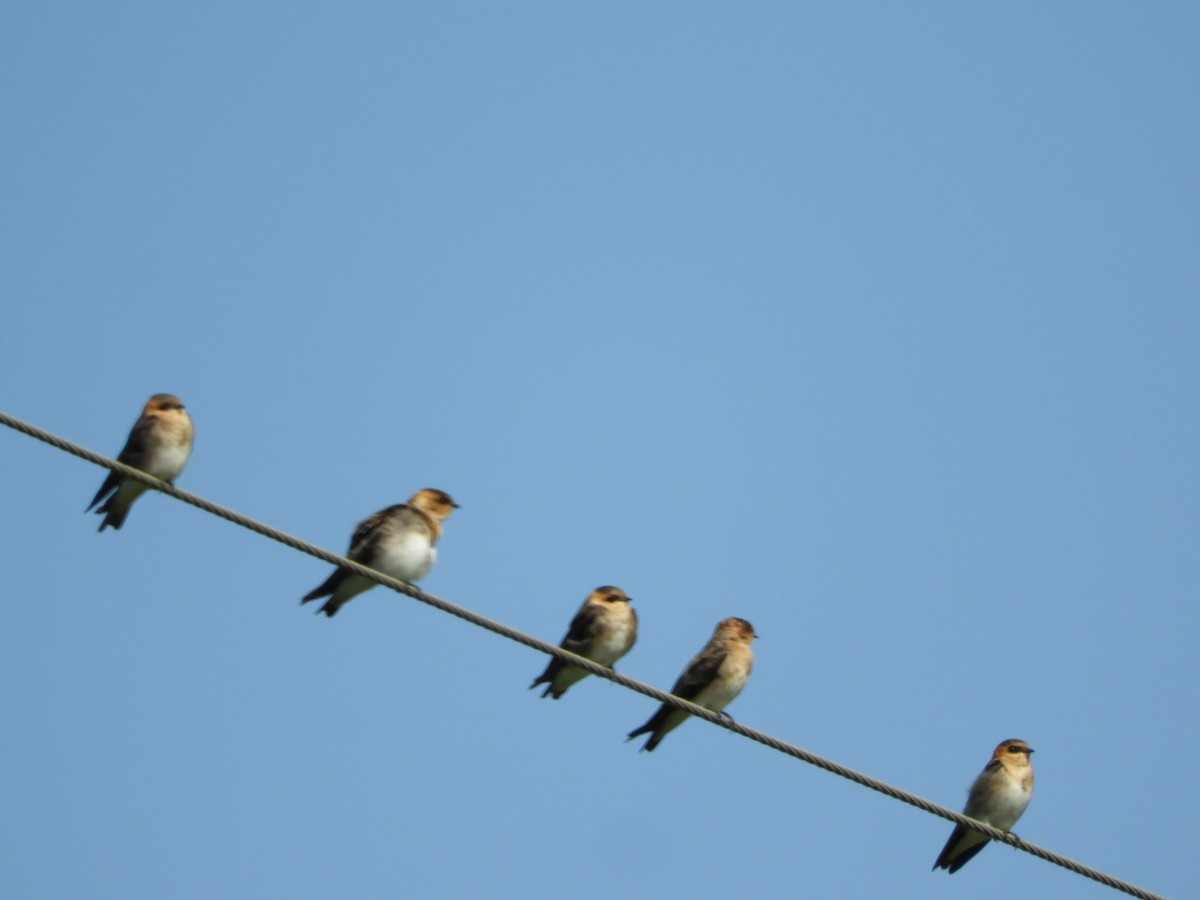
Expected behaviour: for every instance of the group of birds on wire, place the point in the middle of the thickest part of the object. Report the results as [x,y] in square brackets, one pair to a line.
[401,541]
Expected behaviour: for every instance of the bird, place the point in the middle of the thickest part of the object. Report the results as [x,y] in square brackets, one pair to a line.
[712,679]
[604,630]
[159,444]
[998,797]
[399,541]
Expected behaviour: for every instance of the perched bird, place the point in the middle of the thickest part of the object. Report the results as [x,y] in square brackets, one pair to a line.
[712,679]
[398,541]
[604,630]
[998,797]
[159,444]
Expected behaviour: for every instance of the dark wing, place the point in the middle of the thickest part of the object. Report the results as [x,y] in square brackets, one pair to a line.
[575,640]
[952,858]
[965,857]
[111,483]
[367,532]
[977,797]
[580,632]
[362,542]
[137,448]
[132,454]
[698,675]
[700,672]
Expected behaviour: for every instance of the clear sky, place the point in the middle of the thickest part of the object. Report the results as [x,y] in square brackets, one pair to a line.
[874,324]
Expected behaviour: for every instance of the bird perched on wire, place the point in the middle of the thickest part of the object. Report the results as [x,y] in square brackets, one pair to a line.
[400,541]
[712,679]
[604,630]
[159,444]
[998,797]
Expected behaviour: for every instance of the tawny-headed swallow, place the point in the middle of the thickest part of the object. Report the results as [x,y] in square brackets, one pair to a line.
[712,680]
[400,541]
[998,797]
[604,630]
[159,444]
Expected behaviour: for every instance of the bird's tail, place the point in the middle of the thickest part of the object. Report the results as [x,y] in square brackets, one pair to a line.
[547,677]
[324,589]
[652,726]
[111,483]
[955,855]
[114,513]
[331,606]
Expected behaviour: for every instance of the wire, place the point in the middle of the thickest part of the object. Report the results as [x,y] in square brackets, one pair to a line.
[567,656]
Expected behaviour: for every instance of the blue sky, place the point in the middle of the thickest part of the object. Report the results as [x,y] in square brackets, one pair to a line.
[876,326]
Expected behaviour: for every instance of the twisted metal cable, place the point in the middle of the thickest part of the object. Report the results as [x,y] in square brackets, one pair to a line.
[718,719]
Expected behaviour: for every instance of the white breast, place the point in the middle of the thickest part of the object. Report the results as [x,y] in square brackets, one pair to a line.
[169,461]
[1007,805]
[730,680]
[408,556]
[614,644]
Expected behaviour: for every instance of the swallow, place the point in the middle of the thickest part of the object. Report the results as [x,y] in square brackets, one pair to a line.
[998,797]
[159,444]
[400,541]
[712,680]
[604,630]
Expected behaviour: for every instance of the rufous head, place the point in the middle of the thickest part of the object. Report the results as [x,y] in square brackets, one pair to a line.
[607,595]
[735,629]
[161,403]
[436,504]
[1013,751]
